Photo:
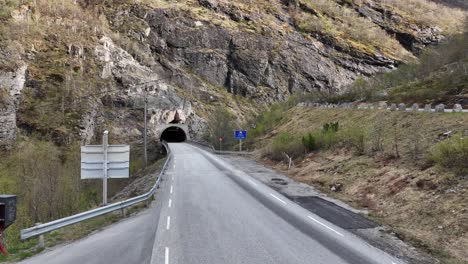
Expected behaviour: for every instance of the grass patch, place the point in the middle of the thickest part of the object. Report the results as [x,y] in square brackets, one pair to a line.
[346,28]
[329,137]
[452,154]
[285,143]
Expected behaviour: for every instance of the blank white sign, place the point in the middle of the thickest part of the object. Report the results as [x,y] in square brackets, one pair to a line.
[92,156]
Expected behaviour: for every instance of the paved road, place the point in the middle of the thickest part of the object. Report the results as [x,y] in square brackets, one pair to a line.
[208,212]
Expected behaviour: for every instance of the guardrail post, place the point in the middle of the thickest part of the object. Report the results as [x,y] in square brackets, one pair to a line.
[41,240]
[124,212]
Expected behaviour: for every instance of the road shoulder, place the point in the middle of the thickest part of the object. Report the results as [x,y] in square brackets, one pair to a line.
[333,210]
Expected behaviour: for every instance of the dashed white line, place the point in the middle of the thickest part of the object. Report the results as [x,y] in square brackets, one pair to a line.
[168,224]
[170,203]
[324,225]
[254,183]
[166,258]
[277,198]
[172,189]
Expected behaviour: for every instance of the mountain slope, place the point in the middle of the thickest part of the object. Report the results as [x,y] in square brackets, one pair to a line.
[58,52]
[71,68]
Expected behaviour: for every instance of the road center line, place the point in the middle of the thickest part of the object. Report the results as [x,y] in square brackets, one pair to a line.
[168,225]
[277,198]
[166,259]
[170,203]
[254,183]
[324,225]
[171,189]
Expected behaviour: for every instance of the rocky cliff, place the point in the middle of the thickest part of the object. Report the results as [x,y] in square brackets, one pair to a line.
[86,65]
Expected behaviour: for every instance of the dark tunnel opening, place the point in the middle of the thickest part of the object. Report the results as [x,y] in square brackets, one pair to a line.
[173,134]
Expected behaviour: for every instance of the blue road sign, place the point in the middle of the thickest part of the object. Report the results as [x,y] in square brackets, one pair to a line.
[240,134]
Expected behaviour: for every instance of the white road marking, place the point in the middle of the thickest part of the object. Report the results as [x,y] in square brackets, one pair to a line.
[170,203]
[324,225]
[254,183]
[168,225]
[277,198]
[171,189]
[166,259]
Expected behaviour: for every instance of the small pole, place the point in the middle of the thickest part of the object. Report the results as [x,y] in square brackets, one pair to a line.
[240,145]
[41,240]
[146,128]
[105,143]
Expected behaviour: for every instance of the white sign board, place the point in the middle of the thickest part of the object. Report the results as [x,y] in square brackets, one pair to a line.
[92,160]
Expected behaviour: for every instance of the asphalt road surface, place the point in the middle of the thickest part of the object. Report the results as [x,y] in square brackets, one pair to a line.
[208,212]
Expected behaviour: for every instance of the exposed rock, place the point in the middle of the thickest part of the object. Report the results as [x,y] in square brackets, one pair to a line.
[11,84]
[138,82]
[263,67]
[75,50]
[412,36]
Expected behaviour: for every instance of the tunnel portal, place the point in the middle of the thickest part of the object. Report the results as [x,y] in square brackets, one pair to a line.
[173,134]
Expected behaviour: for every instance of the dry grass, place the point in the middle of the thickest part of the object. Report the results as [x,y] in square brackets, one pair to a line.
[347,28]
[425,205]
[425,13]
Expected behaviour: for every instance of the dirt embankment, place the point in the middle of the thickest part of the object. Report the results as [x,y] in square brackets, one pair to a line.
[424,204]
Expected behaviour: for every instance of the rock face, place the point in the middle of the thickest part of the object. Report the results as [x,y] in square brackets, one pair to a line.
[7,128]
[463,4]
[11,84]
[184,58]
[138,82]
[266,68]
[413,37]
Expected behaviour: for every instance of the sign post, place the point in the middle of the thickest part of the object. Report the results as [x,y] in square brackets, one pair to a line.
[220,143]
[105,144]
[105,161]
[240,135]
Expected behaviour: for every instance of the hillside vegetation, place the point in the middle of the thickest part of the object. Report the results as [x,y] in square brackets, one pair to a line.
[439,76]
[408,169]
[228,57]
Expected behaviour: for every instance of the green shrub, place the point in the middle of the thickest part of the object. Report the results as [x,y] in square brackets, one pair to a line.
[329,137]
[272,118]
[353,138]
[331,127]
[452,154]
[221,125]
[309,142]
[285,143]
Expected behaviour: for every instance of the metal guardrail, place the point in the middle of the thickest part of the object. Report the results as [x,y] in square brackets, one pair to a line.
[233,152]
[221,152]
[57,224]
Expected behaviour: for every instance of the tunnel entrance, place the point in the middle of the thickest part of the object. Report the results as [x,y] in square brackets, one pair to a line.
[173,134]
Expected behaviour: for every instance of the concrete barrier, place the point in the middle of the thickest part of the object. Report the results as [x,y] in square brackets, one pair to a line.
[440,108]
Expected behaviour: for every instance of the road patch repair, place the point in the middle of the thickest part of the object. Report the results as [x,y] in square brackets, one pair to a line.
[332,210]
[333,213]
